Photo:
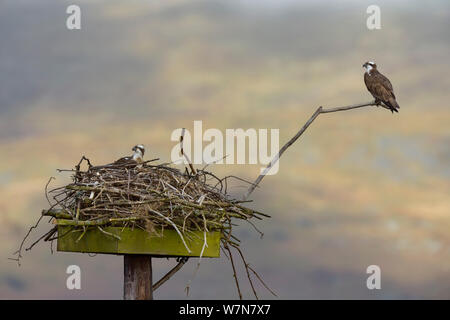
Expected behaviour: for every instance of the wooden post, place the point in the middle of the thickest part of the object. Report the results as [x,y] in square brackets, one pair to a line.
[137,282]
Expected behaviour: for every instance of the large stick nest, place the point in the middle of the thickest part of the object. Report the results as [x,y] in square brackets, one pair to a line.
[147,196]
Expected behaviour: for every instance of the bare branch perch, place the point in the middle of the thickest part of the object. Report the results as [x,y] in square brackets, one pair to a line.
[300,132]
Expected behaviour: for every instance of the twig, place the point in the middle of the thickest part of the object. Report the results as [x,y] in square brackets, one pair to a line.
[78,166]
[46,236]
[56,213]
[234,270]
[98,222]
[300,132]
[205,244]
[173,225]
[19,251]
[261,280]
[108,233]
[46,190]
[169,274]
[246,269]
[185,155]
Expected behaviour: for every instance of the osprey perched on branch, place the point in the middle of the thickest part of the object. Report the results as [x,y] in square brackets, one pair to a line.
[379,86]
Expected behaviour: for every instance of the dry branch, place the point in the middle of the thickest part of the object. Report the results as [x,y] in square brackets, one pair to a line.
[169,274]
[300,132]
[185,155]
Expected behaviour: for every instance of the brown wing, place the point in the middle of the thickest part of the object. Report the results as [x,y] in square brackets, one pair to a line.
[381,92]
[119,162]
[379,86]
[123,160]
[385,83]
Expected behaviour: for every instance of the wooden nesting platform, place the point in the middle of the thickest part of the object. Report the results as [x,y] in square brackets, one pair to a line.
[137,241]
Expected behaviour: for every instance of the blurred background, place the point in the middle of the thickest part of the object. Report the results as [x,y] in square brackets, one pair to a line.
[360,187]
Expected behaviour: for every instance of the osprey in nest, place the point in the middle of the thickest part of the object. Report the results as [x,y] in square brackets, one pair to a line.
[134,160]
[136,157]
[379,86]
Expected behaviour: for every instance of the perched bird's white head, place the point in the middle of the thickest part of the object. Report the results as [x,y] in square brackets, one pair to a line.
[369,66]
[139,151]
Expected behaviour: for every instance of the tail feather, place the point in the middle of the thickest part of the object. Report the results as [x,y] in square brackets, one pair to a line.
[393,105]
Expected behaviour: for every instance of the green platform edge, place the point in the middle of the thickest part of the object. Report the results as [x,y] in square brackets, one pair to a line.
[137,241]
